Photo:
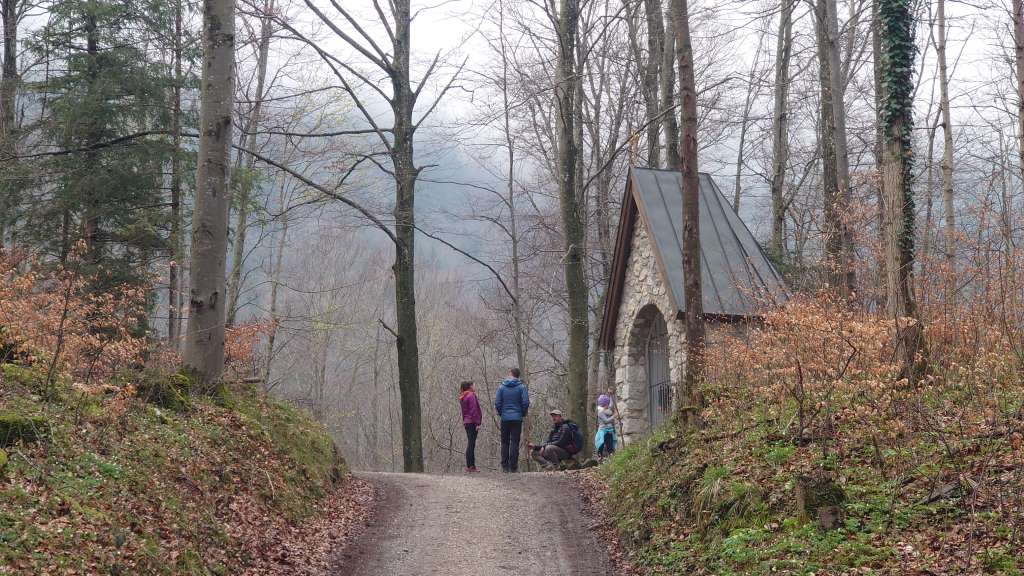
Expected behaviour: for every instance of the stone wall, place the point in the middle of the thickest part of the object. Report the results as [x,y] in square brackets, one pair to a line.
[644,297]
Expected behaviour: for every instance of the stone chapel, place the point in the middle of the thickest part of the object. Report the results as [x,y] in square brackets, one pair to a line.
[642,325]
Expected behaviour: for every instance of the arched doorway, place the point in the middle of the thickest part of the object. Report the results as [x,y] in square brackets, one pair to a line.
[659,379]
[646,386]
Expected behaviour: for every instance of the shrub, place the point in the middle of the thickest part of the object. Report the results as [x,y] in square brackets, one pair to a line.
[54,317]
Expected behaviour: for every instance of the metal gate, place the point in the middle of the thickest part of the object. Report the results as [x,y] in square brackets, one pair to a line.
[659,381]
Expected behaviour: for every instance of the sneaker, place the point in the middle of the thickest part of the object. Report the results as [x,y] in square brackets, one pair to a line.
[473,470]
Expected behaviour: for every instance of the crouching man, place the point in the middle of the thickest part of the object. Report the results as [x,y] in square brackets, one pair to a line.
[564,441]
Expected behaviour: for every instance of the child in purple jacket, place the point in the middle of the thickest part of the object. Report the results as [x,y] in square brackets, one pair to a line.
[471,419]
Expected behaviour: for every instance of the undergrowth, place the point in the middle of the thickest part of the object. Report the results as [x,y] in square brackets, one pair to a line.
[143,477]
[927,478]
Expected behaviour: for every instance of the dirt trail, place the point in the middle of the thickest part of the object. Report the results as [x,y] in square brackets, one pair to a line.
[483,524]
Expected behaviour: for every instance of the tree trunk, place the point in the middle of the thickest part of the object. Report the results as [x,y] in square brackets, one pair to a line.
[275,281]
[655,48]
[204,344]
[876,51]
[827,139]
[519,336]
[897,52]
[1018,42]
[405,233]
[1006,200]
[670,120]
[843,267]
[8,129]
[929,188]
[90,218]
[753,90]
[252,127]
[572,213]
[173,281]
[780,129]
[690,400]
[947,133]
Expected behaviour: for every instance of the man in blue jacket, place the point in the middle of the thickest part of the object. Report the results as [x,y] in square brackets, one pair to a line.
[512,403]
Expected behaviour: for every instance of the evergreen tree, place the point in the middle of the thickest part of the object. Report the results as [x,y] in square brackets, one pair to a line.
[107,106]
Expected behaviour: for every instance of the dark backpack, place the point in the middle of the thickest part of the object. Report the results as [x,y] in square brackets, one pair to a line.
[576,437]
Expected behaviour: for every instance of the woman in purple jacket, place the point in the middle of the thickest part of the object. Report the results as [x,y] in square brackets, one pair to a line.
[471,419]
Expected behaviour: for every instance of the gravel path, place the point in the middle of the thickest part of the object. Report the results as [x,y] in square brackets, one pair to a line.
[481,524]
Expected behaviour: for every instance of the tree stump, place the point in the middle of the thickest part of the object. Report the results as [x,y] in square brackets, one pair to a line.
[821,499]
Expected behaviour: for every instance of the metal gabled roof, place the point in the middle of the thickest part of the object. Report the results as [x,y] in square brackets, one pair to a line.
[737,277]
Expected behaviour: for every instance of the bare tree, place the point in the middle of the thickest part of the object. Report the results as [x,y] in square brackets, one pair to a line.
[1018,45]
[842,267]
[250,130]
[754,82]
[204,344]
[947,130]
[780,128]
[397,141]
[652,71]
[827,142]
[690,402]
[577,293]
[670,116]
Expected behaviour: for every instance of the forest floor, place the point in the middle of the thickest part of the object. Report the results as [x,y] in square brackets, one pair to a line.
[523,524]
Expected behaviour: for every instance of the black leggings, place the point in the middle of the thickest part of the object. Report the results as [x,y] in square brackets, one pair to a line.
[471,433]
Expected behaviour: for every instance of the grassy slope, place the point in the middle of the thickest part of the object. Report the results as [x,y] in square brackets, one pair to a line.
[122,486]
[720,502]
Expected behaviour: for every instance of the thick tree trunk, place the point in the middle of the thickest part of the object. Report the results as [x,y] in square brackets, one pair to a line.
[405,250]
[204,344]
[876,52]
[252,127]
[947,133]
[780,129]
[670,120]
[690,400]
[173,279]
[843,267]
[826,139]
[652,72]
[8,129]
[572,212]
[897,114]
